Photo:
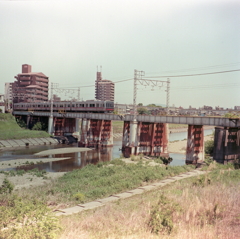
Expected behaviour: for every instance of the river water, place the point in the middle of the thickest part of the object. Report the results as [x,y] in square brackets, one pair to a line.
[80,159]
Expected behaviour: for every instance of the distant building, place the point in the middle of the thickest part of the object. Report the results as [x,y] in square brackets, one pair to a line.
[2,104]
[205,107]
[30,86]
[8,95]
[104,89]
[236,107]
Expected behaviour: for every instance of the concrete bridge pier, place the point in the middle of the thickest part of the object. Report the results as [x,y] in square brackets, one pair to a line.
[50,125]
[226,144]
[76,133]
[84,133]
[195,144]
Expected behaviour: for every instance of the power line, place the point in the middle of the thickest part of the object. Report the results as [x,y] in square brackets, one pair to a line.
[199,68]
[199,74]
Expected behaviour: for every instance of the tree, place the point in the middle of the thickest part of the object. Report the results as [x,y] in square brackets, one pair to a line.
[140,104]
[142,111]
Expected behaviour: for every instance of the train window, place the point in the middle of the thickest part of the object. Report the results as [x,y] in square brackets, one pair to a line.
[92,105]
[61,105]
[54,105]
[86,105]
[69,105]
[76,105]
[97,105]
[73,105]
[39,106]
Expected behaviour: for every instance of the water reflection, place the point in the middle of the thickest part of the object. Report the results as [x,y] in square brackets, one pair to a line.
[80,159]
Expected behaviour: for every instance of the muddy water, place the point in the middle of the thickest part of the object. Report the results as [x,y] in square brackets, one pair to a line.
[80,159]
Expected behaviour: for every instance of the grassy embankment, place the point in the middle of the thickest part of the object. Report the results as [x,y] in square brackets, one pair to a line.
[201,207]
[204,207]
[9,129]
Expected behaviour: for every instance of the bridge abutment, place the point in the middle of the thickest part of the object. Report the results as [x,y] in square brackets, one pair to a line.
[226,144]
[195,144]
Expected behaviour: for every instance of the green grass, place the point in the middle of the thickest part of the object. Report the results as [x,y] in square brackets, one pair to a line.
[11,130]
[117,126]
[103,180]
[177,126]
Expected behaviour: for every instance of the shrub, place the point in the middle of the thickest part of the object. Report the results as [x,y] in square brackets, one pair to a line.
[21,123]
[22,218]
[39,126]
[79,197]
[6,187]
[209,145]
[161,216]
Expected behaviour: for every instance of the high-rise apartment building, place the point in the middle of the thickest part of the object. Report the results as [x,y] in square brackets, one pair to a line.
[8,94]
[30,86]
[104,89]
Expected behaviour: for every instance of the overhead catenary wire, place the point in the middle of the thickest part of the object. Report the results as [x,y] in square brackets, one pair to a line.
[198,74]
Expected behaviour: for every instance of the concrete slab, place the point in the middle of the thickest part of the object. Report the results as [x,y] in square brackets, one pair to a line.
[108,199]
[90,205]
[39,141]
[136,191]
[148,187]
[5,143]
[124,195]
[13,143]
[27,141]
[33,140]
[168,181]
[159,184]
[52,141]
[19,142]
[70,210]
[44,140]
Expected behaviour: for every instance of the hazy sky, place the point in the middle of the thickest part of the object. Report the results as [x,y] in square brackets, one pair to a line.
[67,40]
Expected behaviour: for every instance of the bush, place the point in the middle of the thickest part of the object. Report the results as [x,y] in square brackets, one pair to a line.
[209,145]
[39,126]
[6,187]
[79,197]
[21,123]
[161,217]
[22,218]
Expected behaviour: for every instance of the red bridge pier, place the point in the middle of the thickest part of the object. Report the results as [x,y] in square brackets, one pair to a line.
[145,138]
[195,144]
[96,133]
[226,144]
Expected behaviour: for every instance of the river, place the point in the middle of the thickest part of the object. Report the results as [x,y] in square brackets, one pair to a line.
[79,160]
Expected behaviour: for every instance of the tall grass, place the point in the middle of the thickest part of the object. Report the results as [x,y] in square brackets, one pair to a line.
[208,210]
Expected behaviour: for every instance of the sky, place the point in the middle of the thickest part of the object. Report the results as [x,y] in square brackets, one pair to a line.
[70,40]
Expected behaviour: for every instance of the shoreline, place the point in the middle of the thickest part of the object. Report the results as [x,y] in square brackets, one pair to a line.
[178,130]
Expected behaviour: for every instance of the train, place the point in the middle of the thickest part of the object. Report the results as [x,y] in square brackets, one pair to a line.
[88,106]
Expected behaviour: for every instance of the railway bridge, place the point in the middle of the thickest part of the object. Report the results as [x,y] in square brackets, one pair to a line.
[144,134]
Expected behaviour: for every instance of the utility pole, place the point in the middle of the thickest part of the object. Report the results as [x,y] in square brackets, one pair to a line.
[50,120]
[78,93]
[168,94]
[137,77]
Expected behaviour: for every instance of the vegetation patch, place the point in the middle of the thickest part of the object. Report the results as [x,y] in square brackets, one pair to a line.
[23,218]
[10,129]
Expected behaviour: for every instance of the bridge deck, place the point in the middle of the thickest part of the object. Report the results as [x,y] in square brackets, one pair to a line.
[190,120]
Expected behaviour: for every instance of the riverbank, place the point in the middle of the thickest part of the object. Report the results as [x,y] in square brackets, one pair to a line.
[180,146]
